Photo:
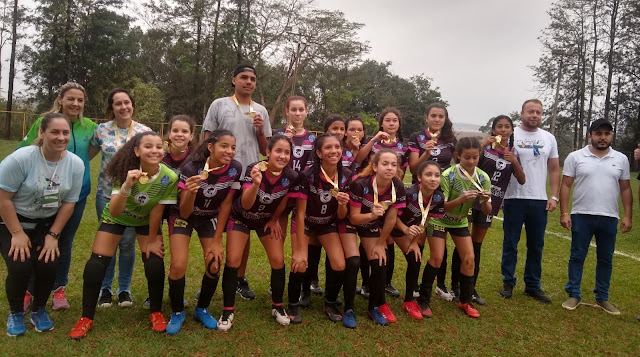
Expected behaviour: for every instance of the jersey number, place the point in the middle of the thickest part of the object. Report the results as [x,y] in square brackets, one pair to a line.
[323,210]
[261,207]
[207,202]
[296,165]
[496,175]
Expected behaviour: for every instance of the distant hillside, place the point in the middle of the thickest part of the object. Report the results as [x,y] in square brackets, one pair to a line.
[465,127]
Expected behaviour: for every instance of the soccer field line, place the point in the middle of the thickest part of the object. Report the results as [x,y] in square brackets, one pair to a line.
[564,236]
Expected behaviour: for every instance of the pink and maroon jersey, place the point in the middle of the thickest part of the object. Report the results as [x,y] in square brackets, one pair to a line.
[361,195]
[401,149]
[270,194]
[442,153]
[322,207]
[412,214]
[213,191]
[174,162]
[302,148]
[499,170]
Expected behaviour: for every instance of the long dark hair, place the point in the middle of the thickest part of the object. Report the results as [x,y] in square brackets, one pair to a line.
[201,153]
[386,111]
[446,133]
[125,159]
[274,139]
[424,165]
[495,122]
[315,178]
[368,170]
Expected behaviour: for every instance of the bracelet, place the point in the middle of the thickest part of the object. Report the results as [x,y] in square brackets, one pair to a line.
[121,193]
[564,214]
[555,199]
[16,231]
[54,235]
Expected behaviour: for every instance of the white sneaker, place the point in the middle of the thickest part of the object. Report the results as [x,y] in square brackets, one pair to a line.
[281,316]
[225,325]
[444,294]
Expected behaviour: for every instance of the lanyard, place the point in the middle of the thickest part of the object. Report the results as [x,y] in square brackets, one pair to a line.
[235,100]
[336,189]
[205,171]
[425,212]
[47,166]
[116,129]
[384,204]
[472,179]
[144,178]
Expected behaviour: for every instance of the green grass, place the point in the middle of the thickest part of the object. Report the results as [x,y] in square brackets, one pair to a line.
[507,327]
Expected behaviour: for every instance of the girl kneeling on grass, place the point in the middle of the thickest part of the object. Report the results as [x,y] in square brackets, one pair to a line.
[375,198]
[207,184]
[39,186]
[461,184]
[265,192]
[322,202]
[147,185]
[424,200]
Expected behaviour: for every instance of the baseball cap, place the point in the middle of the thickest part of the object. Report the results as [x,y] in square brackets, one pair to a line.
[599,123]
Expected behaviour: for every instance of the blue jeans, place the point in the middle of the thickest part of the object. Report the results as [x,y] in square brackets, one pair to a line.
[583,228]
[65,244]
[127,258]
[533,214]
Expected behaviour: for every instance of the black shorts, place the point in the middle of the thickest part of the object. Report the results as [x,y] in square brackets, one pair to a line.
[116,228]
[320,230]
[368,232]
[204,226]
[437,231]
[238,226]
[396,233]
[480,219]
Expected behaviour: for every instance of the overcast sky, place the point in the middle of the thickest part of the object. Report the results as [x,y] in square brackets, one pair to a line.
[477,52]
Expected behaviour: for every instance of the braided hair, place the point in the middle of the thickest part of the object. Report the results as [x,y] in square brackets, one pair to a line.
[201,153]
[315,177]
[495,122]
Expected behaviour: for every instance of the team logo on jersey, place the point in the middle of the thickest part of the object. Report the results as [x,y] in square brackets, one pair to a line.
[312,138]
[365,191]
[266,199]
[298,152]
[452,175]
[285,182]
[399,145]
[349,154]
[481,178]
[142,198]
[501,164]
[325,196]
[233,172]
[210,191]
[435,151]
[437,198]
[422,137]
[344,179]
[414,197]
[165,180]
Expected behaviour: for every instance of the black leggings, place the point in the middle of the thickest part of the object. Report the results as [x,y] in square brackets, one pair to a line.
[18,272]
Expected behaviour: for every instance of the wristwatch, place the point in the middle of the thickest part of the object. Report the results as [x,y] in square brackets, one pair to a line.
[54,235]
[555,199]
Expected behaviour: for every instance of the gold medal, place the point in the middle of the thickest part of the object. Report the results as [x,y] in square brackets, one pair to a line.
[166,146]
[385,204]
[334,192]
[291,129]
[144,178]
[262,165]
[204,174]
[497,142]
[422,229]
[335,189]
[252,115]
[434,136]
[424,211]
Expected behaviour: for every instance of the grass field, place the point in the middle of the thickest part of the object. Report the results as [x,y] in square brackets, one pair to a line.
[506,327]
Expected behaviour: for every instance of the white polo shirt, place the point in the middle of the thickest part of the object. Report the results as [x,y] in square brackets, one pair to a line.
[596,187]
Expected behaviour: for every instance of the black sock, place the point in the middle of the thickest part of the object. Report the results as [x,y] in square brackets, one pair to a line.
[207,289]
[229,286]
[466,288]
[442,273]
[364,266]
[277,285]
[350,281]
[329,276]
[333,285]
[92,277]
[411,278]
[376,284]
[428,276]
[295,282]
[176,294]
[417,284]
[391,262]
[455,269]
[154,271]
[477,247]
[311,273]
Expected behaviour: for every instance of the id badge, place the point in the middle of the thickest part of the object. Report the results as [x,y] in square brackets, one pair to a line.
[51,198]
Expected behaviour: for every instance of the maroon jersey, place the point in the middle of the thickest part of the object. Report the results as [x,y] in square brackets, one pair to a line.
[361,195]
[499,170]
[322,207]
[412,214]
[348,158]
[401,149]
[213,191]
[174,162]
[270,194]
[302,148]
[442,153]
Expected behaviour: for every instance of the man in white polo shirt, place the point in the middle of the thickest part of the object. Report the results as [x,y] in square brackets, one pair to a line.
[601,175]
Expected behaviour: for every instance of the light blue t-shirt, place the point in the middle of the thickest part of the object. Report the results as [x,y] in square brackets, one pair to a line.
[26,173]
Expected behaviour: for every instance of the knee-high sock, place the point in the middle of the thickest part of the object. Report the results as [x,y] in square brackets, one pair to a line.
[391,262]
[330,274]
[442,272]
[376,283]
[426,287]
[176,294]
[277,285]
[411,278]
[311,273]
[350,281]
[364,266]
[295,282]
[154,271]
[94,272]
[207,289]
[466,288]
[229,286]
[477,247]
[455,269]
[333,285]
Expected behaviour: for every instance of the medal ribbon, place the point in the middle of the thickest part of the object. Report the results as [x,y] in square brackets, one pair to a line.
[425,212]
[335,184]
[375,192]
[129,133]
[235,100]
[472,179]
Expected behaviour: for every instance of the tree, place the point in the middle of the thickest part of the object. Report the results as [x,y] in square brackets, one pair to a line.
[12,68]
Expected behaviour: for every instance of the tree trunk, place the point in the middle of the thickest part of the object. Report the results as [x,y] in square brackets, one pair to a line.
[615,120]
[593,63]
[612,40]
[196,95]
[67,44]
[12,70]
[214,51]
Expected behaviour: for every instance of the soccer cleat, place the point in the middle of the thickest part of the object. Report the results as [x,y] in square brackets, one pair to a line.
[158,322]
[41,321]
[385,309]
[105,298]
[425,309]
[147,303]
[391,291]
[16,325]
[469,310]
[332,313]
[476,299]
[79,331]
[244,290]
[375,315]
[412,308]
[455,292]
[226,320]
[349,319]
[28,300]
[315,287]
[506,291]
[278,313]
[175,324]
[364,291]
[59,299]
[203,316]
[443,293]
[124,299]
[294,314]
[305,300]
[571,303]
[607,307]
